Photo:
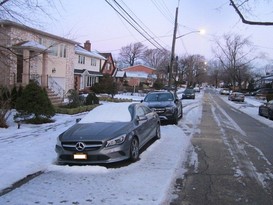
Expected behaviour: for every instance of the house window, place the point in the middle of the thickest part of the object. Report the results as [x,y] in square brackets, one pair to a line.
[53,48]
[63,51]
[90,81]
[81,59]
[93,62]
[108,66]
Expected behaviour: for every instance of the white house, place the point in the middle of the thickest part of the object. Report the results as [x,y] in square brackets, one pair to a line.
[88,66]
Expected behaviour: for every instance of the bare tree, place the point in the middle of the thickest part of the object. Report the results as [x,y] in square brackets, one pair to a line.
[26,11]
[245,6]
[156,58]
[194,69]
[214,72]
[131,54]
[233,52]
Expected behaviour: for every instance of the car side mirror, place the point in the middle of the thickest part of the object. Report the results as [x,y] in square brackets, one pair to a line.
[141,101]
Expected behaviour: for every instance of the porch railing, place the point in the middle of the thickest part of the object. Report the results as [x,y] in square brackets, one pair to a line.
[54,86]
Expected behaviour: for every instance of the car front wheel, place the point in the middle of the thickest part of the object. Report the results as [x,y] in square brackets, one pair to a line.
[270,114]
[158,132]
[134,150]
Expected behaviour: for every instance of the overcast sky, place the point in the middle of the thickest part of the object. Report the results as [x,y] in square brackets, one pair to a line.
[96,21]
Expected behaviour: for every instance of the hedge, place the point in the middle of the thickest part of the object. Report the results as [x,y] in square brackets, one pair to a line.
[72,111]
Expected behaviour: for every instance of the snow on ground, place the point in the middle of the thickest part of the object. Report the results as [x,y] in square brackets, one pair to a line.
[250,107]
[31,149]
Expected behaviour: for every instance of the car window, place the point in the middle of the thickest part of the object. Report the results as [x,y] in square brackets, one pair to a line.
[155,97]
[139,111]
[146,110]
[189,91]
[151,98]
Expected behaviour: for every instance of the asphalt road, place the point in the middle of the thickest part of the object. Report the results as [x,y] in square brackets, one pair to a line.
[235,157]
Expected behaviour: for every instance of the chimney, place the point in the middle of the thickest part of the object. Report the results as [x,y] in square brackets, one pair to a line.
[87,45]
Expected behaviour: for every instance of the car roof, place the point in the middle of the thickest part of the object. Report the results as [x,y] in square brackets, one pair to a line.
[108,113]
[160,91]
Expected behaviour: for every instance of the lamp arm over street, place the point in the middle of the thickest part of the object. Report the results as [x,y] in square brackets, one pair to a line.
[189,33]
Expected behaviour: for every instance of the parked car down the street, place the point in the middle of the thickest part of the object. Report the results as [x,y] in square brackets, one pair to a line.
[167,105]
[196,89]
[224,91]
[236,96]
[188,93]
[266,110]
[261,93]
[108,133]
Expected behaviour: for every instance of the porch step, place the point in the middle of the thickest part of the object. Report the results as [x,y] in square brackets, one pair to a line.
[53,97]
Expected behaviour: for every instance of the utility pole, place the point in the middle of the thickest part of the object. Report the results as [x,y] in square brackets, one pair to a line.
[173,50]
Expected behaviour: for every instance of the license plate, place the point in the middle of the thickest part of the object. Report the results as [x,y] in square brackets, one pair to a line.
[80,156]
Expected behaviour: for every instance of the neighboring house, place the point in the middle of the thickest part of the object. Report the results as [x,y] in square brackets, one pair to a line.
[30,54]
[54,62]
[108,67]
[264,81]
[135,75]
[88,66]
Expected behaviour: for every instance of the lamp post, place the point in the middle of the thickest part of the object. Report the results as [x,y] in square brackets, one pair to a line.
[173,47]
[172,52]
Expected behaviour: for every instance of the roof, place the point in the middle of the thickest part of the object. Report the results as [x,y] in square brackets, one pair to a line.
[136,74]
[31,45]
[139,74]
[24,27]
[106,55]
[131,67]
[80,50]
[91,73]
[120,74]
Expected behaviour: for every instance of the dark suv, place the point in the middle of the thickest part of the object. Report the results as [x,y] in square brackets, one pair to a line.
[167,105]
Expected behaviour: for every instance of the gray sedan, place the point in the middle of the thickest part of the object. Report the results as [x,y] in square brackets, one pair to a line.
[109,133]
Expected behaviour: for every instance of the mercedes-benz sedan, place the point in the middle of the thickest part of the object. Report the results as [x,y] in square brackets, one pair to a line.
[109,133]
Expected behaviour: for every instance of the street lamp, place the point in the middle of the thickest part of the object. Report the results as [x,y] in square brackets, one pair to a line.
[173,47]
[202,31]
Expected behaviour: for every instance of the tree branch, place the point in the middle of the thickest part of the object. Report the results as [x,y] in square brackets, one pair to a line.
[248,21]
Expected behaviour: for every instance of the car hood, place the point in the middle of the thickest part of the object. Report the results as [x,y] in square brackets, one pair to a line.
[95,131]
[159,104]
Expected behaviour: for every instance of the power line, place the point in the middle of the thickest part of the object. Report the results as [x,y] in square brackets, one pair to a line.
[151,38]
[131,23]
[147,28]
[165,11]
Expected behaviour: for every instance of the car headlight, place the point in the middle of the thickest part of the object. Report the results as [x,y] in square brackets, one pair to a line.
[116,141]
[172,109]
[58,143]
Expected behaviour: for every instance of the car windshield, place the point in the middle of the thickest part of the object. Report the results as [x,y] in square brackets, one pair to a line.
[159,97]
[108,113]
[189,91]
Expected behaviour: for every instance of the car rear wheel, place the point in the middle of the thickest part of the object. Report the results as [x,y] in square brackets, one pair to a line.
[134,150]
